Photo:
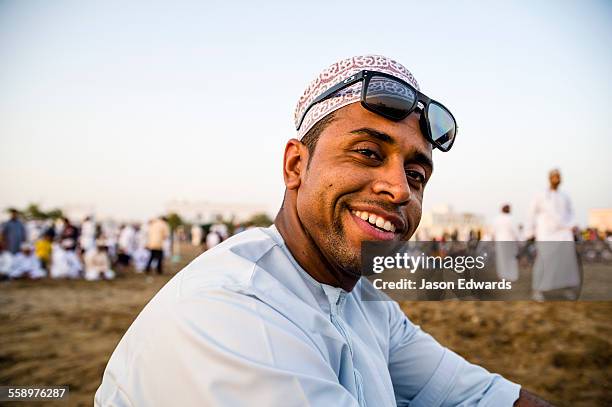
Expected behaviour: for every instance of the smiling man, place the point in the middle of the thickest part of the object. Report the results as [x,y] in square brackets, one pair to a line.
[275,317]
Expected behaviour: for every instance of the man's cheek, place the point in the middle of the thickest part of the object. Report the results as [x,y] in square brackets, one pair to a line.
[414,218]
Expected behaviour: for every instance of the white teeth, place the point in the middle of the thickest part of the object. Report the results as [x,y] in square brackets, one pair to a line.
[376,220]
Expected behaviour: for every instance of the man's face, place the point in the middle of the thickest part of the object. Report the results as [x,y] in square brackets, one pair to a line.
[364,166]
[555,179]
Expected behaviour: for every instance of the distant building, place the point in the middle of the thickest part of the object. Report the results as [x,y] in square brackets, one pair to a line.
[442,219]
[207,212]
[600,219]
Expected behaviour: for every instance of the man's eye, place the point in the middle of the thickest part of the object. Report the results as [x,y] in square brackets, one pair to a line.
[416,176]
[368,153]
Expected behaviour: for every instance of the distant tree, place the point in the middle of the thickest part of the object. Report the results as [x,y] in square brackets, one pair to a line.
[174,220]
[260,219]
[55,214]
[32,211]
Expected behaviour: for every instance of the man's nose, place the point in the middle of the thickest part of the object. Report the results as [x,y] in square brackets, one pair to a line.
[392,183]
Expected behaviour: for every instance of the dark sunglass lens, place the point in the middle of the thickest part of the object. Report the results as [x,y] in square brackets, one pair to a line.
[442,125]
[389,98]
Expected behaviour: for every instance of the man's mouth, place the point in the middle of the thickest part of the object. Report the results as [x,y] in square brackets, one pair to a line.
[375,225]
[377,221]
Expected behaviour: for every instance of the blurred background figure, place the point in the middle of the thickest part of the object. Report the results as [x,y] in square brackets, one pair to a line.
[506,246]
[43,248]
[167,244]
[140,256]
[6,261]
[158,232]
[196,234]
[13,233]
[98,264]
[220,228]
[212,239]
[26,264]
[64,261]
[127,245]
[552,224]
[87,240]
[34,229]
[69,233]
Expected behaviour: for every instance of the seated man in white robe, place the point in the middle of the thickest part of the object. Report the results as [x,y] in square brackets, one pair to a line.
[65,263]
[140,258]
[88,234]
[97,263]
[6,262]
[26,264]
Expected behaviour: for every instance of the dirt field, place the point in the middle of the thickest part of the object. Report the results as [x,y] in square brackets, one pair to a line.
[63,332]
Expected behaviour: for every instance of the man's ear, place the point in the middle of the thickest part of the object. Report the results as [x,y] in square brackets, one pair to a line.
[294,163]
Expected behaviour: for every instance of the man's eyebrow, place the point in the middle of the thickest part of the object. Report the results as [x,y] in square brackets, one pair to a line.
[417,156]
[384,137]
[422,159]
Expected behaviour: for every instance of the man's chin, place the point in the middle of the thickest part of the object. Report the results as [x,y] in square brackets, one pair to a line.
[346,258]
[349,259]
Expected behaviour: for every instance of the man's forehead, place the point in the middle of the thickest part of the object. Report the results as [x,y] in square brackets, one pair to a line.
[355,120]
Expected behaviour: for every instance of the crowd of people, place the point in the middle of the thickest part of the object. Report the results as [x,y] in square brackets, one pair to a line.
[93,251]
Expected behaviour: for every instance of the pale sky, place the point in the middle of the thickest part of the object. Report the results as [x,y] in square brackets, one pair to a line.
[125,106]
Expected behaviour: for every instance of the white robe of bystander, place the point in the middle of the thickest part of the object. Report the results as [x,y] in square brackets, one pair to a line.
[551,223]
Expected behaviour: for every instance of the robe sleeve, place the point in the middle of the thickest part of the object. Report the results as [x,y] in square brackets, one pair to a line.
[426,374]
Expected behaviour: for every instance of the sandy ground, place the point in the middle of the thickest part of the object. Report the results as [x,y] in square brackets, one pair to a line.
[63,332]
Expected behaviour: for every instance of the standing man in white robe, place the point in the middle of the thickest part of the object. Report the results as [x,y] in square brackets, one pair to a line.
[196,234]
[506,247]
[127,244]
[87,240]
[552,223]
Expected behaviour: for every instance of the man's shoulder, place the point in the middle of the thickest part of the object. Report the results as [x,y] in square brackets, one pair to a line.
[214,297]
[228,266]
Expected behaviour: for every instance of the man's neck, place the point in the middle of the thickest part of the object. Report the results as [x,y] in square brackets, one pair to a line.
[305,251]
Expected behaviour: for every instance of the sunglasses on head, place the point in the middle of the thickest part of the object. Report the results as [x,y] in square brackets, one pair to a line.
[395,99]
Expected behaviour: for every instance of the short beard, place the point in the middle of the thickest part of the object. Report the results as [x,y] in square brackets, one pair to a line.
[339,255]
